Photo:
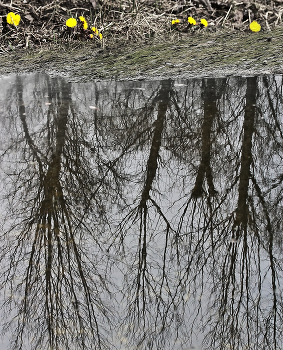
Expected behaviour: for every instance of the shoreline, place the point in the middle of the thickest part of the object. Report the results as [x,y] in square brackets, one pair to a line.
[205,54]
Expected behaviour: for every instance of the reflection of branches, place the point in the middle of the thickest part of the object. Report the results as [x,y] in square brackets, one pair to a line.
[150,177]
[59,289]
[218,248]
[244,271]
[151,283]
[227,253]
[156,156]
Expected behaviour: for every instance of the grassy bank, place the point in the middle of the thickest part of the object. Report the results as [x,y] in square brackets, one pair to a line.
[202,55]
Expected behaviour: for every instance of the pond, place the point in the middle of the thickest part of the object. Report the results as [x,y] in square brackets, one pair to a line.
[141,214]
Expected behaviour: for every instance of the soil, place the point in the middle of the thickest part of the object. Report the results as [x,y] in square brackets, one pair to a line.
[154,52]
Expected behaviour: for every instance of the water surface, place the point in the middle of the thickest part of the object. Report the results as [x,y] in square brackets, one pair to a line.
[141,214]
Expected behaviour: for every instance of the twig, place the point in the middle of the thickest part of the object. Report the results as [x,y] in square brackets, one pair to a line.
[278,17]
[208,5]
[11,7]
[266,22]
[218,20]
[79,8]
[227,15]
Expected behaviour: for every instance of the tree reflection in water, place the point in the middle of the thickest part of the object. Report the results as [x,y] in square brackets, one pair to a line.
[142,215]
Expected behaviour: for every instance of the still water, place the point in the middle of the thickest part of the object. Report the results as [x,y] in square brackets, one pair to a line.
[141,215]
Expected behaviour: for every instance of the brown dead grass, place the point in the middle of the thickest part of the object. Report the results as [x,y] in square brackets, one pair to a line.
[127,21]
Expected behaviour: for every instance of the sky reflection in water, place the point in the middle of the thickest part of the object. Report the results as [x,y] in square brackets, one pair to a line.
[142,215]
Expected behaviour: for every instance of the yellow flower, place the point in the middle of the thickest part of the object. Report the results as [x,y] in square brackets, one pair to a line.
[17,19]
[10,17]
[204,22]
[175,21]
[71,22]
[97,32]
[94,30]
[192,21]
[255,27]
[82,19]
[91,36]
[13,19]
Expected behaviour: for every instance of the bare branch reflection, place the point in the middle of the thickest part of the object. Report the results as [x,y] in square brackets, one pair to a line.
[49,263]
[143,215]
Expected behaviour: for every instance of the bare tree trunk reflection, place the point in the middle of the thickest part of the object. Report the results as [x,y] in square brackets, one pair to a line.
[116,205]
[246,159]
[59,291]
[248,259]
[163,99]
[210,113]
[145,301]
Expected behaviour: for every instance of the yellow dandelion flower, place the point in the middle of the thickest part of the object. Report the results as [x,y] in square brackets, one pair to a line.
[71,22]
[17,19]
[13,19]
[85,25]
[10,18]
[204,22]
[192,21]
[82,19]
[94,30]
[255,27]
[175,21]
[91,36]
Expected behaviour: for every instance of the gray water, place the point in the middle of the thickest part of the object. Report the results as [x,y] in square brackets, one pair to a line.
[141,214]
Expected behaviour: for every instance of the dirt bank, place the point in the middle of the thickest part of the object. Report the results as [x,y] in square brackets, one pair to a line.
[201,54]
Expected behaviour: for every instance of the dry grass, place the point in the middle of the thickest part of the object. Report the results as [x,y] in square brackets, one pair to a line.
[43,23]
